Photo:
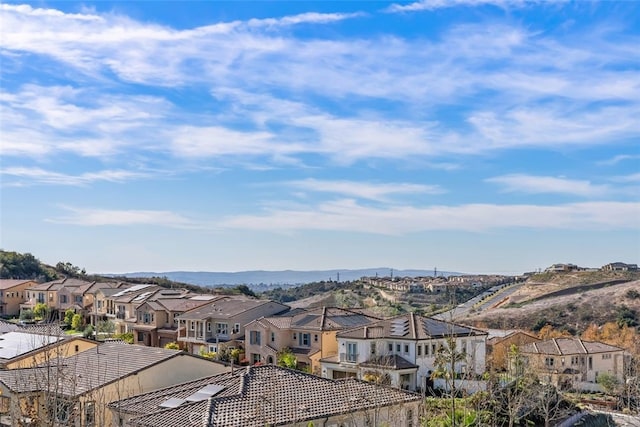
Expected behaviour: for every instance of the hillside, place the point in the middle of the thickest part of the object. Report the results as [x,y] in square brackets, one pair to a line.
[569,301]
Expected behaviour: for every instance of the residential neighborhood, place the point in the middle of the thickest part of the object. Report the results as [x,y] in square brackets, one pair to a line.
[170,356]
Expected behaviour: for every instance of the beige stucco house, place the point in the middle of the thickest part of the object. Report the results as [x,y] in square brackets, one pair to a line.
[573,362]
[76,390]
[12,294]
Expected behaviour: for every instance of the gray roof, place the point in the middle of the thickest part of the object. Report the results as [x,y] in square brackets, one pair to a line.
[389,362]
[320,319]
[87,370]
[227,307]
[411,327]
[566,346]
[262,395]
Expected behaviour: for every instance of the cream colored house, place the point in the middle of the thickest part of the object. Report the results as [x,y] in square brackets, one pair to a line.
[21,349]
[573,362]
[402,351]
[75,391]
[259,396]
[12,294]
[221,323]
[309,334]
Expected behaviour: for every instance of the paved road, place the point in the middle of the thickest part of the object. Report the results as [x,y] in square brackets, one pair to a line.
[487,299]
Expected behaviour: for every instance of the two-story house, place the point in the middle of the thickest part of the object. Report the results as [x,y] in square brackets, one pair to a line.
[220,323]
[309,334]
[12,294]
[402,351]
[573,362]
[121,305]
[157,318]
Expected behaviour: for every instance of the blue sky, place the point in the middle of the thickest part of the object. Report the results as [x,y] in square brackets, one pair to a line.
[469,135]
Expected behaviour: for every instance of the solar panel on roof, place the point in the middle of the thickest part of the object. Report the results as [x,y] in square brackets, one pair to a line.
[173,402]
[205,393]
[400,327]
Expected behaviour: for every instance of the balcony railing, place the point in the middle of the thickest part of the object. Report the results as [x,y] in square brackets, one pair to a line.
[349,357]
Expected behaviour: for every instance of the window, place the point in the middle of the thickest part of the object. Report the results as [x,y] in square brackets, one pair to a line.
[426,349]
[419,350]
[255,358]
[5,404]
[398,348]
[63,410]
[549,361]
[373,348]
[208,326]
[590,363]
[406,348]
[606,356]
[273,337]
[315,338]
[213,349]
[390,347]
[463,346]
[222,329]
[304,340]
[77,348]
[63,299]
[192,325]
[79,299]
[433,349]
[352,352]
[236,328]
[89,414]
[295,336]
[140,336]
[254,337]
[50,296]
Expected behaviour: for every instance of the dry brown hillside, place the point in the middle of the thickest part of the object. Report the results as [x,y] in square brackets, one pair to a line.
[570,301]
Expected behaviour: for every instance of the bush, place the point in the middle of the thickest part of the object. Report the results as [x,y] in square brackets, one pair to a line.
[632,294]
[26,315]
[172,346]
[88,332]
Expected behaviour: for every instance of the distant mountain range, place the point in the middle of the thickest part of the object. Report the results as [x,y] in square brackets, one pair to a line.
[284,278]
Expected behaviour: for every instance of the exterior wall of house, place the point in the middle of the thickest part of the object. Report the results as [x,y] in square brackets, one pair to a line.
[497,358]
[589,366]
[11,298]
[65,349]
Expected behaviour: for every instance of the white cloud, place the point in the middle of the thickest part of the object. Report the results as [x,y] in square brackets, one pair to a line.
[632,178]
[441,4]
[49,177]
[108,217]
[521,183]
[347,215]
[365,190]
[619,158]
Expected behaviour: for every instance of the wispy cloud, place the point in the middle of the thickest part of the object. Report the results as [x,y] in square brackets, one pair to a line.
[108,217]
[347,215]
[441,4]
[632,178]
[42,176]
[365,190]
[531,184]
[619,158]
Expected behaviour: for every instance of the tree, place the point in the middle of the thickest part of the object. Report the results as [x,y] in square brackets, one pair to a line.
[88,332]
[76,322]
[447,357]
[608,382]
[14,265]
[68,316]
[106,327]
[26,315]
[41,310]
[287,359]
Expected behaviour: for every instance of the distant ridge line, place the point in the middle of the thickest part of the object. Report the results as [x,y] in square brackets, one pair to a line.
[281,277]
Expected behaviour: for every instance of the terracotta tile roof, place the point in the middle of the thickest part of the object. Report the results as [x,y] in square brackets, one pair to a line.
[410,326]
[389,362]
[10,283]
[266,395]
[565,346]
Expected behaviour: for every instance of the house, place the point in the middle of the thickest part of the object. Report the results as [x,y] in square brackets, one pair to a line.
[23,349]
[620,266]
[573,362]
[310,334]
[402,351]
[220,323]
[75,391]
[12,294]
[561,268]
[57,295]
[157,319]
[258,396]
[500,344]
